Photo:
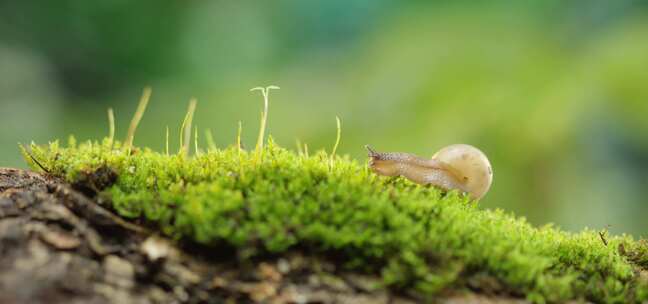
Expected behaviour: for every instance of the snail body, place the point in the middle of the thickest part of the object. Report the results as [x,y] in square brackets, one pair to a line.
[462,167]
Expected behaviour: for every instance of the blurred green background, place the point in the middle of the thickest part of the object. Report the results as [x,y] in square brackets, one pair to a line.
[555,92]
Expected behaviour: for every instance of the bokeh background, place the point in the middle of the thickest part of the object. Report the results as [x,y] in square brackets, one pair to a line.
[555,92]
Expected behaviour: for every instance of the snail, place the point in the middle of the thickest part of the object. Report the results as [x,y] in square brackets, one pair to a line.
[462,167]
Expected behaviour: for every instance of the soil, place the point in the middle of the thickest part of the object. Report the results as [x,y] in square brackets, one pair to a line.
[58,244]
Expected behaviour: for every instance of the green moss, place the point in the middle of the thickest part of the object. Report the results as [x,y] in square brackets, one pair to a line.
[416,237]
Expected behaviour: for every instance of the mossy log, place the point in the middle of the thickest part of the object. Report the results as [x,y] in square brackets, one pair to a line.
[57,245]
[415,241]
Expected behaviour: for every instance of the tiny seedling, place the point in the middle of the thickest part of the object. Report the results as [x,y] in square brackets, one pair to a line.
[185,129]
[197,151]
[139,113]
[211,144]
[264,116]
[337,140]
[239,132]
[166,146]
[111,127]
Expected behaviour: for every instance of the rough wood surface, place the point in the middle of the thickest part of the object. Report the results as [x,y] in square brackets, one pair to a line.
[59,245]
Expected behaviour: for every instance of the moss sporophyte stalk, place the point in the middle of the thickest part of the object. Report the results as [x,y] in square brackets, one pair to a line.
[271,200]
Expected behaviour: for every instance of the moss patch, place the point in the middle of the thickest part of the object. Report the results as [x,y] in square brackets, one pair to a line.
[417,238]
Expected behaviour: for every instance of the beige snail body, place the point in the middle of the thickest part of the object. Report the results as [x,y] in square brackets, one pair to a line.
[461,167]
